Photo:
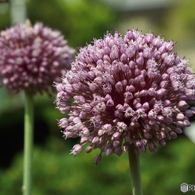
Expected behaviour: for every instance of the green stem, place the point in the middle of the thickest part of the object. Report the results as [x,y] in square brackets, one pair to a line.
[135,171]
[28,144]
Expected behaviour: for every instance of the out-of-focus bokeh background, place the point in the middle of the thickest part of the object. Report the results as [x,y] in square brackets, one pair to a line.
[55,171]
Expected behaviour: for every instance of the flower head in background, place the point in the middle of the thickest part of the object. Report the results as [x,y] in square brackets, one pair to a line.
[126,89]
[32,58]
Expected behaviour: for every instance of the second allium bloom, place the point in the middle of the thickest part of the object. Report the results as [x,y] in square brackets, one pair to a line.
[127,89]
[32,57]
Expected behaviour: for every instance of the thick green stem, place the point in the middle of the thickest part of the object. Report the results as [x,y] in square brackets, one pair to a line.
[135,171]
[28,144]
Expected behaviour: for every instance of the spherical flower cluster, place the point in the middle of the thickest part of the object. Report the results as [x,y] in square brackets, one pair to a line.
[126,89]
[32,57]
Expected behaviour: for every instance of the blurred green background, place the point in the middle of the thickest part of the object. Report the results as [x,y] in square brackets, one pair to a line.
[55,171]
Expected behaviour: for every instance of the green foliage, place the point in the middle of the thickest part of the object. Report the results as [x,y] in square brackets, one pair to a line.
[171,166]
[187,12]
[79,20]
[4,16]
[56,172]
[180,22]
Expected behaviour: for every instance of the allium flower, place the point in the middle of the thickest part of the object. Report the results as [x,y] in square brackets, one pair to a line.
[126,90]
[32,57]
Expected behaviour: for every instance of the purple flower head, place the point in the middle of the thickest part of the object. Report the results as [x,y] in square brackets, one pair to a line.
[126,90]
[32,57]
